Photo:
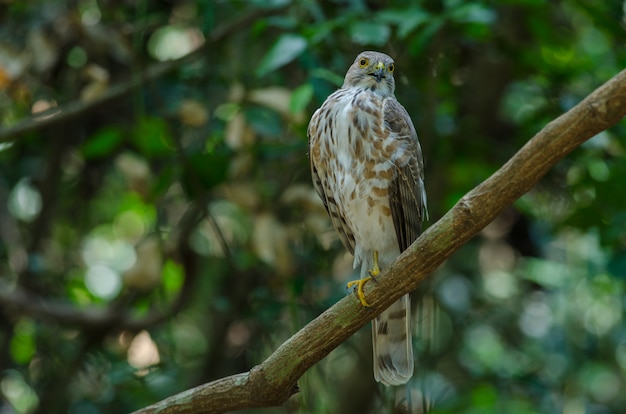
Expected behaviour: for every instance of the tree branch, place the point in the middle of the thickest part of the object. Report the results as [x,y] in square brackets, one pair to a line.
[272,382]
[20,301]
[74,109]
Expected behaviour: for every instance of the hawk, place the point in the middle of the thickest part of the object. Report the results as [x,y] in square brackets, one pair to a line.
[367,168]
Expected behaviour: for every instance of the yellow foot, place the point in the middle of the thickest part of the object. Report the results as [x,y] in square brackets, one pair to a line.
[359,288]
[374,271]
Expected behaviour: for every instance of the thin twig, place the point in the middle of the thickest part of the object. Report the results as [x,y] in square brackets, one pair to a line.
[74,109]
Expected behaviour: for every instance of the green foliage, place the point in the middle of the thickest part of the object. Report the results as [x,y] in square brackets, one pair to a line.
[151,137]
[23,346]
[301,98]
[102,143]
[286,49]
[170,236]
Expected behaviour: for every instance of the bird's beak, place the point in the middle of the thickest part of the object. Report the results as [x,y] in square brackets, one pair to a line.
[379,72]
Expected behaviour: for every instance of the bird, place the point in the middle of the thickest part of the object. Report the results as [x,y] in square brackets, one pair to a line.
[367,167]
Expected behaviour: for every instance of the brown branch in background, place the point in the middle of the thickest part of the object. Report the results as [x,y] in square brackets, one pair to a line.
[74,109]
[48,185]
[272,382]
[20,301]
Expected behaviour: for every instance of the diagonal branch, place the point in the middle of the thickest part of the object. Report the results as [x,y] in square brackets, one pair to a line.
[272,382]
[74,109]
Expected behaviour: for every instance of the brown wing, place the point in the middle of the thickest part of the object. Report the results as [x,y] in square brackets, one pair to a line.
[336,217]
[407,196]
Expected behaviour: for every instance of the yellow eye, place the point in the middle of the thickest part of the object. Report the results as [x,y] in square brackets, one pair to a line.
[364,62]
[391,67]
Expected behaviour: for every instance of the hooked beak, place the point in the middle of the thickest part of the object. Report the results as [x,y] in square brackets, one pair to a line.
[379,72]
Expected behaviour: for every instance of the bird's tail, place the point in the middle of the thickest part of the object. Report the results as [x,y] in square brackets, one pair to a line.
[393,348]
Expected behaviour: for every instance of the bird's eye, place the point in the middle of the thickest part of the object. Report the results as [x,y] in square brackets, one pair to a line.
[391,67]
[363,62]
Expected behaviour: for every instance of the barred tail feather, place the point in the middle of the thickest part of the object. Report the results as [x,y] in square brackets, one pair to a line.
[393,348]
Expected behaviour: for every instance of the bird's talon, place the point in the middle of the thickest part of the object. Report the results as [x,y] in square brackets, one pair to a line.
[359,289]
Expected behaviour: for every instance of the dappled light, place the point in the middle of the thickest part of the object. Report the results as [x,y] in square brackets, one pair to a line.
[24,201]
[17,391]
[172,42]
[159,228]
[102,281]
[536,318]
[143,353]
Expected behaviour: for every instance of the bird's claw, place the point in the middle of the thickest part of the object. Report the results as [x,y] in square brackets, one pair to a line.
[359,289]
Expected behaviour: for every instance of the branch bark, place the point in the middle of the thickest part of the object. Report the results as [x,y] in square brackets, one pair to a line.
[272,382]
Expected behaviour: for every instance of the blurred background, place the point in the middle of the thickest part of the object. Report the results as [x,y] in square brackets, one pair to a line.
[158,227]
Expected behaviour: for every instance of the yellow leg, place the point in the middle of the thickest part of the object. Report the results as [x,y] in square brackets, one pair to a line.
[374,271]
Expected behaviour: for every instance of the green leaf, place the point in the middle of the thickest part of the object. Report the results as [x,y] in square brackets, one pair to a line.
[484,396]
[598,170]
[264,120]
[23,346]
[424,36]
[102,143]
[172,277]
[227,111]
[474,13]
[319,32]
[300,98]
[287,48]
[368,33]
[547,273]
[393,16]
[151,137]
[412,21]
[328,76]
[406,20]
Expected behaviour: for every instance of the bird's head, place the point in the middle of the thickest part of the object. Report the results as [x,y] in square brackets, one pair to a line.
[373,71]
